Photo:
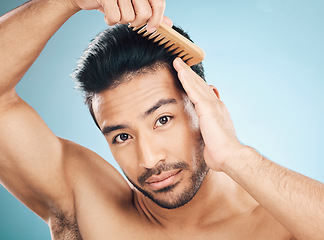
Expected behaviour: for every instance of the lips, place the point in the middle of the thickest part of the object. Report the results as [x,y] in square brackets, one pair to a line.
[164,179]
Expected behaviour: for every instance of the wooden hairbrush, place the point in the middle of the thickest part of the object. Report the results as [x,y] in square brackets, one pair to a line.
[175,42]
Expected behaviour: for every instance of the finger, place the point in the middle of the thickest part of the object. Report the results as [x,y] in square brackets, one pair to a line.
[167,20]
[196,88]
[126,10]
[101,9]
[112,13]
[143,12]
[158,8]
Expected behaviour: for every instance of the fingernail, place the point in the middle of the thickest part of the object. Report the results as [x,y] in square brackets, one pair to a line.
[179,60]
[150,29]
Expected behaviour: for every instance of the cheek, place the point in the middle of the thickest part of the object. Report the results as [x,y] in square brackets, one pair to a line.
[125,158]
[180,140]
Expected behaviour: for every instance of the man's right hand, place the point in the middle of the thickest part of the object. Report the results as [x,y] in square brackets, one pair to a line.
[31,155]
[135,12]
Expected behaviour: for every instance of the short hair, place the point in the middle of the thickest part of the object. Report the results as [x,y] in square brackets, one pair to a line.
[118,52]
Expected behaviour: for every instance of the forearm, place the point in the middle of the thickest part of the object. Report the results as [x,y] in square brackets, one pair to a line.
[296,201]
[293,199]
[24,33]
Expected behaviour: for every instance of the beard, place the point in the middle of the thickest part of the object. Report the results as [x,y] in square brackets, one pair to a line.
[175,200]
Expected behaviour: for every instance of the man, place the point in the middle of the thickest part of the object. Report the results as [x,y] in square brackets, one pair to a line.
[191,178]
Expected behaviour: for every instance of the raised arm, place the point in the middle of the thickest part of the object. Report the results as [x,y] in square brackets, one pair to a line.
[30,153]
[23,35]
[294,200]
[33,161]
[25,30]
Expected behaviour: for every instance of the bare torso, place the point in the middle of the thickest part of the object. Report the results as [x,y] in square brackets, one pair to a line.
[105,207]
[98,222]
[81,196]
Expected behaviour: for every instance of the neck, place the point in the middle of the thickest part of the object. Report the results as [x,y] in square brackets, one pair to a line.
[219,198]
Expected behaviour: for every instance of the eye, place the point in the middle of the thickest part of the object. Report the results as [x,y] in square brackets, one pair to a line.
[162,121]
[120,138]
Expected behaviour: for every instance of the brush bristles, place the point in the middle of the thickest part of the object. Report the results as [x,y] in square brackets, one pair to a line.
[173,42]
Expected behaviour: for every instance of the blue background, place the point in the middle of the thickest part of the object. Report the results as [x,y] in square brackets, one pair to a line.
[265,57]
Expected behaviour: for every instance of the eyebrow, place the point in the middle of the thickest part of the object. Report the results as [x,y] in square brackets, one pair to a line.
[159,104]
[110,128]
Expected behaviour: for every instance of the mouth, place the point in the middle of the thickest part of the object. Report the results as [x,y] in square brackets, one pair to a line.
[164,179]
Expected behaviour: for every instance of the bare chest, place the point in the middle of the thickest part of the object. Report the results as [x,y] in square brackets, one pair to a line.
[116,227]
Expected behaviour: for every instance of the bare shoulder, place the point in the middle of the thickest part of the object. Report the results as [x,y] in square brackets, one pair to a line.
[97,190]
[267,225]
[87,171]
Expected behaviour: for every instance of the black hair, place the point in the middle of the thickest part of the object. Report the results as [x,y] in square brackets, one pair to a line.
[118,52]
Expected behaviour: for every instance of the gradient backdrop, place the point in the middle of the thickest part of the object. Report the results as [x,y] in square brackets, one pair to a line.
[265,57]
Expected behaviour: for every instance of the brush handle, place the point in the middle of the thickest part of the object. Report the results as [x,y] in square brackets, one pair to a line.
[173,41]
[192,54]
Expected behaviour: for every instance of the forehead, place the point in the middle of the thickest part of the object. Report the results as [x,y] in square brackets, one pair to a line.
[134,96]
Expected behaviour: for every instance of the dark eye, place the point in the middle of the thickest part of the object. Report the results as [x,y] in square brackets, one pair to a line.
[162,121]
[121,138]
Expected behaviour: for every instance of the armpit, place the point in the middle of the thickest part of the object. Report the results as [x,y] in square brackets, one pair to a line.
[64,226]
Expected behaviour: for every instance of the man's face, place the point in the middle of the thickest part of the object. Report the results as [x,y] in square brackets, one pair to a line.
[152,131]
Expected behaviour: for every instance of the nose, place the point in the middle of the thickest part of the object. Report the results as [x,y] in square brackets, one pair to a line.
[150,152]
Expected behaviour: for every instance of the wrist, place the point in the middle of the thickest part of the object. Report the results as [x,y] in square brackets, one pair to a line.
[72,6]
[240,158]
[67,6]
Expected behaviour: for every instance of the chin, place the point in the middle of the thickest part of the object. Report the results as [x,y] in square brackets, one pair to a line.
[175,196]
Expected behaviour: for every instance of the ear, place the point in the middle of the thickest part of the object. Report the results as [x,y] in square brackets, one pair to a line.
[215,90]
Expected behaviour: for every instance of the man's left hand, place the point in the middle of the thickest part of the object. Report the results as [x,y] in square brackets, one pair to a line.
[215,122]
